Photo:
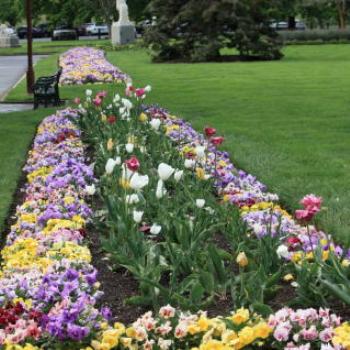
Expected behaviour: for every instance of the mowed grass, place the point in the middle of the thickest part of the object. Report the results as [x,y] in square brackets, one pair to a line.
[16,133]
[50,47]
[287,122]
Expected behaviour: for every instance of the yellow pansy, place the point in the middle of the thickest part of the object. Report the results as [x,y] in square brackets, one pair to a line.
[241,316]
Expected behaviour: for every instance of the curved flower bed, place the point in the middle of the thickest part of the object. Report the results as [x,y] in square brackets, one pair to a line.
[48,289]
[259,208]
[83,65]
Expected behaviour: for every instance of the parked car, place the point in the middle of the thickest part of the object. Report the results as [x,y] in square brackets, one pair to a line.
[299,25]
[82,28]
[44,30]
[22,32]
[95,29]
[64,33]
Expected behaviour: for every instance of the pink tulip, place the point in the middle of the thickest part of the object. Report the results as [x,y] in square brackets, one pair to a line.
[97,101]
[312,202]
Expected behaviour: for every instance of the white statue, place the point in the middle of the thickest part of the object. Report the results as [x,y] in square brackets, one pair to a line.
[123,10]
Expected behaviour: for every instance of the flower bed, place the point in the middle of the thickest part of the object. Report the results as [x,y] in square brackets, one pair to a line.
[162,222]
[48,289]
[83,65]
[132,172]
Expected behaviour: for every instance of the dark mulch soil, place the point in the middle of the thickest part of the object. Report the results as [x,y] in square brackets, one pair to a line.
[117,286]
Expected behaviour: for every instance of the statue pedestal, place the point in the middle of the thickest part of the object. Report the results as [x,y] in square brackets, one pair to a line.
[9,40]
[123,33]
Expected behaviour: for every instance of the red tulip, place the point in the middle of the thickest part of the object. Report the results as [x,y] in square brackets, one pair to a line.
[218,140]
[111,119]
[140,92]
[133,163]
[209,131]
[293,240]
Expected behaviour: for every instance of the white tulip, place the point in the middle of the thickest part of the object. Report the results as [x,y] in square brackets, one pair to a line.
[118,161]
[129,147]
[165,171]
[132,199]
[189,163]
[200,203]
[160,191]
[110,166]
[137,216]
[126,173]
[178,175]
[127,104]
[88,93]
[155,124]
[143,149]
[155,229]
[200,152]
[90,190]
[116,98]
[283,252]
[148,88]
[137,181]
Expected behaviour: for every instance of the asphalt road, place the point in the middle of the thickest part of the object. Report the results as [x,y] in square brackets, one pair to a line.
[12,68]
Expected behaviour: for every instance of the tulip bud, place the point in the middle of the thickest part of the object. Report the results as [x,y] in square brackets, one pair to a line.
[137,216]
[178,175]
[200,203]
[129,147]
[155,229]
[242,259]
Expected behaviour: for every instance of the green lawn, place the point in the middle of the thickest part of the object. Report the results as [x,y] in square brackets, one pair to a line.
[16,133]
[49,47]
[287,122]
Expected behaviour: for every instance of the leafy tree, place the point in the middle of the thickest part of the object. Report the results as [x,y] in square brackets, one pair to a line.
[9,12]
[197,30]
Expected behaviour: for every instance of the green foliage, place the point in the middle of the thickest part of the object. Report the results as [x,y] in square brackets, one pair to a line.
[10,11]
[192,31]
[319,36]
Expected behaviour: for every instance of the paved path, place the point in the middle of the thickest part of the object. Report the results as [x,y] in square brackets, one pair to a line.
[12,69]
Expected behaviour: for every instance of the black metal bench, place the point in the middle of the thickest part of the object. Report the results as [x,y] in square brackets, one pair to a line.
[46,90]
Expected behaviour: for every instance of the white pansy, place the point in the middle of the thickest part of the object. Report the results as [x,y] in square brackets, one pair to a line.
[111,163]
[160,191]
[90,190]
[165,171]
[129,147]
[137,181]
[189,163]
[283,252]
[88,93]
[155,229]
[207,176]
[155,124]
[137,216]
[132,198]
[178,175]
[200,152]
[200,203]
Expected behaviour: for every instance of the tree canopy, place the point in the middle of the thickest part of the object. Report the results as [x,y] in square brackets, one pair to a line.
[195,30]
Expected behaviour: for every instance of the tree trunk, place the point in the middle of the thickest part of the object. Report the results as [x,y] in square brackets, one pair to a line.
[342,13]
